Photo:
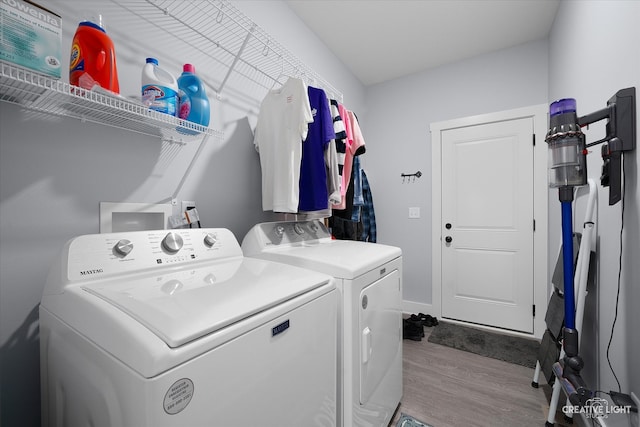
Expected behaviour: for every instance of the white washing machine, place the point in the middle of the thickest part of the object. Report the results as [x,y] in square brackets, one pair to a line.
[157,328]
[369,279]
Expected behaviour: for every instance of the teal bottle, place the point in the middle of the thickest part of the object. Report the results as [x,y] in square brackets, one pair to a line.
[194,104]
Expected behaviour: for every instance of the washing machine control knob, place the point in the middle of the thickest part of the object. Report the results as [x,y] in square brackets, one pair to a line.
[298,229]
[123,247]
[172,242]
[210,239]
[279,230]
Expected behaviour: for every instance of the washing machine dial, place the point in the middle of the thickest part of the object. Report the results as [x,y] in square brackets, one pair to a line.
[123,247]
[172,242]
[298,229]
[210,239]
[279,230]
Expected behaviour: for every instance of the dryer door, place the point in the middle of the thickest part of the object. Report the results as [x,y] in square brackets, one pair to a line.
[380,326]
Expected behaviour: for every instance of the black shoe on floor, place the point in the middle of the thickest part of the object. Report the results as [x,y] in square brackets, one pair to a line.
[429,320]
[425,319]
[412,330]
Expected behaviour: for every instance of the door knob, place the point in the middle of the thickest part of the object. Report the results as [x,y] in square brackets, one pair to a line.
[448,239]
[448,226]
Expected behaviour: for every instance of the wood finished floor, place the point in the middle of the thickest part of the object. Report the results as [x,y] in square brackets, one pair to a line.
[446,387]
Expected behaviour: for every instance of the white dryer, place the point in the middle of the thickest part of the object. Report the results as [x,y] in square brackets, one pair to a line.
[157,328]
[369,279]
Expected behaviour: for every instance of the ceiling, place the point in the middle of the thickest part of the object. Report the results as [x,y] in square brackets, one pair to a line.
[380,40]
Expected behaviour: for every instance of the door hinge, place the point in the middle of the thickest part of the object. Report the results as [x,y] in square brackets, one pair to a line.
[534,225]
[534,139]
[534,310]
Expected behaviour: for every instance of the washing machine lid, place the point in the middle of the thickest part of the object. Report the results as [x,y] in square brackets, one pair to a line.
[345,259]
[182,306]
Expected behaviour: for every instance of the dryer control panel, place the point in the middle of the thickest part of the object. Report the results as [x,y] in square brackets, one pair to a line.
[285,233]
[101,255]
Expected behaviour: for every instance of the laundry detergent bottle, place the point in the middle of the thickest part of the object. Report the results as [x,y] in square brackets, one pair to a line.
[194,104]
[93,57]
[159,88]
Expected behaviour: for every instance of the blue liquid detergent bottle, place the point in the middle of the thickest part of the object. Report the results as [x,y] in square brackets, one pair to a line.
[194,104]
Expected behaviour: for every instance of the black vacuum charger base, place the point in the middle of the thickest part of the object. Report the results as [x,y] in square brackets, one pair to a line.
[622,399]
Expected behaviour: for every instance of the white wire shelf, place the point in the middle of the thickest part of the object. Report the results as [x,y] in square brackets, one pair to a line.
[40,93]
[236,46]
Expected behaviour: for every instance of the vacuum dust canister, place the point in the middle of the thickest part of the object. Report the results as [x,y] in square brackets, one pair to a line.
[567,151]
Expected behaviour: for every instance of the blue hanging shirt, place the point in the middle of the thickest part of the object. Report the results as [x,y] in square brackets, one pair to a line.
[314,194]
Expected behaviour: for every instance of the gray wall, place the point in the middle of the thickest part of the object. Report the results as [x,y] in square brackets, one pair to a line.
[399,141]
[594,53]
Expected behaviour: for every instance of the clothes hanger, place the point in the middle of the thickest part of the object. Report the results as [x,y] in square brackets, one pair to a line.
[280,75]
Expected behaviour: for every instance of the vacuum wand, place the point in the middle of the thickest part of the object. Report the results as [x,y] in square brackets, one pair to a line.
[568,170]
[572,363]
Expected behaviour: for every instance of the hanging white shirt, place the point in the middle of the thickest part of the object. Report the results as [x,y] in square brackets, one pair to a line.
[282,125]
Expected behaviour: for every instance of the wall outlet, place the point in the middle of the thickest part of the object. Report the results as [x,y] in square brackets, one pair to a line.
[186,204]
[414,213]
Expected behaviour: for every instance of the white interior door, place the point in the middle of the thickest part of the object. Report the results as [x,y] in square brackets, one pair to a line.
[487,224]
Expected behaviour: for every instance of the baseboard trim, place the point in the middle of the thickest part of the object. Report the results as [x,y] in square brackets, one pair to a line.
[411,307]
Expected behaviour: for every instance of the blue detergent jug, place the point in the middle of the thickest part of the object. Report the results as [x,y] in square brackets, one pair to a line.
[194,104]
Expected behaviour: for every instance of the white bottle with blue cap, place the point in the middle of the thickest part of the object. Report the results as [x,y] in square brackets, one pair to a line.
[159,88]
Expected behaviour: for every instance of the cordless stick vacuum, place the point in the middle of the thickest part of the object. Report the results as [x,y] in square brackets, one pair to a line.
[567,170]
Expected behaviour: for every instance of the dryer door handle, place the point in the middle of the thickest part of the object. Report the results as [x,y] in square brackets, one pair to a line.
[366,345]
